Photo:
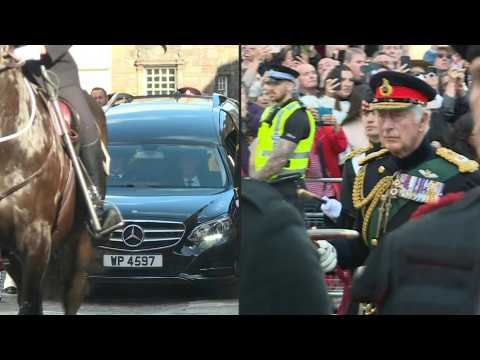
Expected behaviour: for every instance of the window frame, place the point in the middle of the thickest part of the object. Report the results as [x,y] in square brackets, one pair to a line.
[160,82]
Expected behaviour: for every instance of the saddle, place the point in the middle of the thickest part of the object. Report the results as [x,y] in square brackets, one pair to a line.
[69,114]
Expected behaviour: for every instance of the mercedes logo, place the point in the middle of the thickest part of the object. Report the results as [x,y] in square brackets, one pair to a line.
[133,235]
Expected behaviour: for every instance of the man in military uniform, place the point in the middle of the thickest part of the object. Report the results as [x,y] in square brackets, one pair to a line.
[431,265]
[393,182]
[279,266]
[285,137]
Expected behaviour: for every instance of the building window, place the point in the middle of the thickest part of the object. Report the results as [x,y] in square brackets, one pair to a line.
[222,85]
[161,80]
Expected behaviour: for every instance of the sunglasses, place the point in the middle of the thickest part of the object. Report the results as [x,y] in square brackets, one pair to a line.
[441,56]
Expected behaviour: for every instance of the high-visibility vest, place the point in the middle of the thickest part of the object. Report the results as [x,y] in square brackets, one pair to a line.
[269,134]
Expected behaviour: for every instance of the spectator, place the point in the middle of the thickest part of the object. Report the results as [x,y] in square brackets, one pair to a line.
[345,104]
[382,58]
[324,66]
[329,142]
[443,58]
[307,81]
[455,102]
[395,52]
[251,112]
[100,95]
[355,58]
[419,67]
[254,57]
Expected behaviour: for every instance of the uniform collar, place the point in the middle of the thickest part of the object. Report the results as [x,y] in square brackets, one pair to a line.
[423,153]
[287,102]
[375,146]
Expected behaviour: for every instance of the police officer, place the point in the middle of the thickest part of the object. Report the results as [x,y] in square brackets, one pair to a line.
[393,182]
[57,59]
[285,137]
[279,269]
[431,265]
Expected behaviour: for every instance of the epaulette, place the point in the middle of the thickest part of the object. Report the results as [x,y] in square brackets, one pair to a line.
[372,156]
[356,152]
[463,163]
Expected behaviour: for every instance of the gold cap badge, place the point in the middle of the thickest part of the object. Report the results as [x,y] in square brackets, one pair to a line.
[386,89]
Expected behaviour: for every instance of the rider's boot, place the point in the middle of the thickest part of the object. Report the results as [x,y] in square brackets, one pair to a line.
[92,159]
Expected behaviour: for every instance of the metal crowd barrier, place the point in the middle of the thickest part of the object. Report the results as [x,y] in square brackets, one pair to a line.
[324,180]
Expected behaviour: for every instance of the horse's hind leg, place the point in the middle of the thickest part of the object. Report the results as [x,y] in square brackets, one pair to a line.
[36,258]
[76,288]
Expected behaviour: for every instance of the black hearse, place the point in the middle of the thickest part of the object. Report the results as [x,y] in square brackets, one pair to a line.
[172,166]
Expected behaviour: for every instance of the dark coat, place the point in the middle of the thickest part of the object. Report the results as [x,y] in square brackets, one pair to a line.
[428,266]
[280,270]
[58,60]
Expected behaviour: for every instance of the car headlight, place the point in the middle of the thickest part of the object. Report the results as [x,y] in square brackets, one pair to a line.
[211,231]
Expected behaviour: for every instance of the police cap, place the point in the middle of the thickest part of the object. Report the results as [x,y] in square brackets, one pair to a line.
[277,73]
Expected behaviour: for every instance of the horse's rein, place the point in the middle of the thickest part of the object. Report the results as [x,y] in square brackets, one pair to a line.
[33,110]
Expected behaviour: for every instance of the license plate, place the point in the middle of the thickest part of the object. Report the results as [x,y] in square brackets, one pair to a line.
[133,261]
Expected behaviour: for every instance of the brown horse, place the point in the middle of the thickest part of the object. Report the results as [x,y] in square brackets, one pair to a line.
[42,217]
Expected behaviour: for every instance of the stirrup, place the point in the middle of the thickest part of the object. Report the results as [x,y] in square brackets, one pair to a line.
[112,220]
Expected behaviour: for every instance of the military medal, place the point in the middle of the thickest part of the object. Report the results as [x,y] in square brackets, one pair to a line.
[419,189]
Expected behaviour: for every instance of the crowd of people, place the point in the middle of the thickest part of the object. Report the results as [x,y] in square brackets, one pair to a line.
[342,87]
[334,79]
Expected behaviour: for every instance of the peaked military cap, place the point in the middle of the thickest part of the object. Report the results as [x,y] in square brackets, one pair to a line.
[278,73]
[395,90]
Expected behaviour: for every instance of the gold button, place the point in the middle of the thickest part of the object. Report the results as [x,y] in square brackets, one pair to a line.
[381,169]
[374,242]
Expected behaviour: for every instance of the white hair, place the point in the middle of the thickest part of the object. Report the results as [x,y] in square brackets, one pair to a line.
[419,111]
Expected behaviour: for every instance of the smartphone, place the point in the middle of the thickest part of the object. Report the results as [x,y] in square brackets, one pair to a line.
[341,56]
[321,112]
[405,60]
[296,51]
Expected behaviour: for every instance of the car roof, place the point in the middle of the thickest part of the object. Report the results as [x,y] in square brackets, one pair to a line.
[192,119]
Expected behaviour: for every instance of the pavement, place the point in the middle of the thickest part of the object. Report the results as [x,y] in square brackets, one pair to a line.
[180,300]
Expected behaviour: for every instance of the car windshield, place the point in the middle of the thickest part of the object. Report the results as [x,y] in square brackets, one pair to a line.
[166,166]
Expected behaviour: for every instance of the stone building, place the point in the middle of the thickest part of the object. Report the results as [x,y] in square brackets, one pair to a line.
[149,70]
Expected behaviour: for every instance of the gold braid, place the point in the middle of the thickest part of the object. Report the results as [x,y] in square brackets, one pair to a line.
[357,193]
[372,156]
[385,184]
[372,198]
